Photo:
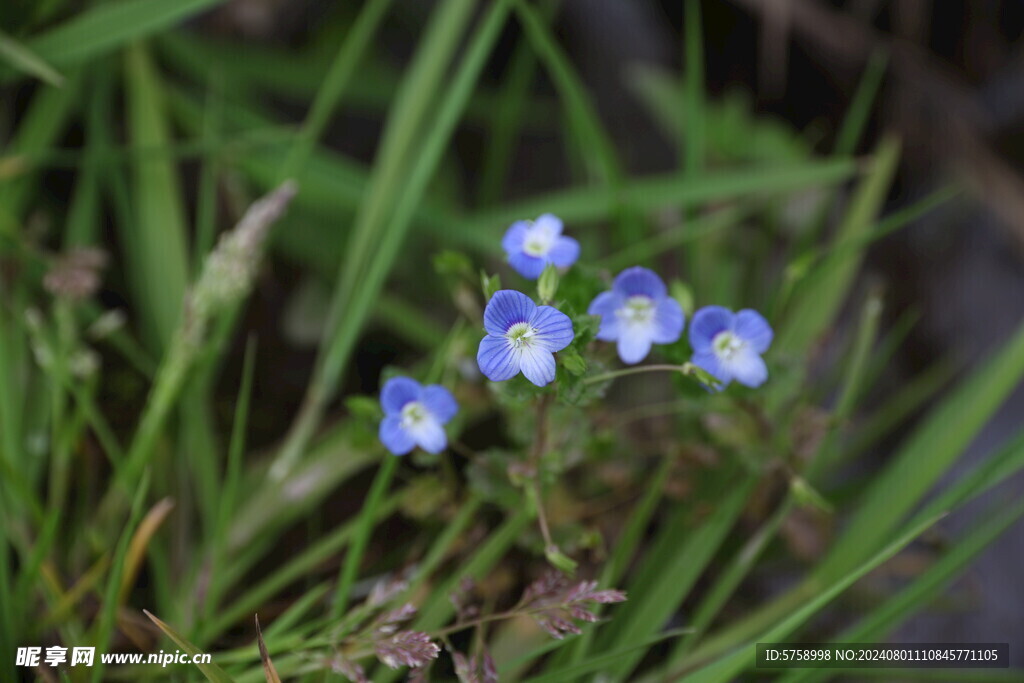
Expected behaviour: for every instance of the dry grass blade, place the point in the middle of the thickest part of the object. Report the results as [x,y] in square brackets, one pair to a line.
[268,666]
[140,541]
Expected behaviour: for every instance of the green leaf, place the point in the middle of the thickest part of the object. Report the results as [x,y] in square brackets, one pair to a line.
[683,294]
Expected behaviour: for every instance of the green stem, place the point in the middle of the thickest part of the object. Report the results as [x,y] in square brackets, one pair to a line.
[685,368]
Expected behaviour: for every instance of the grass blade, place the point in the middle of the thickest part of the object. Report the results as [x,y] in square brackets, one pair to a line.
[107,26]
[212,672]
[671,569]
[727,668]
[817,299]
[928,453]
[595,145]
[24,59]
[268,666]
[363,528]
[155,253]
[334,83]
[393,199]
[590,204]
[104,628]
[890,614]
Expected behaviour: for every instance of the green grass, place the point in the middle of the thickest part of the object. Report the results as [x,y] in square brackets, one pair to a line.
[175,490]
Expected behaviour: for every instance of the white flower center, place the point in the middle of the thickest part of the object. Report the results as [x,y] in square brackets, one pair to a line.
[414,414]
[520,335]
[727,345]
[639,310]
[538,242]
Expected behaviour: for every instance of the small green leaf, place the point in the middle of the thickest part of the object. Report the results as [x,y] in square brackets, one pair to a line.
[453,264]
[560,560]
[805,494]
[575,390]
[489,284]
[547,284]
[363,407]
[703,376]
[682,293]
[573,361]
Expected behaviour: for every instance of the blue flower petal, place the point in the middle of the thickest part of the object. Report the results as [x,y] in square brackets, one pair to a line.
[549,222]
[538,365]
[528,266]
[605,304]
[397,392]
[497,359]
[706,323]
[506,308]
[751,327]
[639,281]
[440,402]
[554,329]
[564,252]
[668,322]
[708,361]
[430,436]
[394,438]
[747,368]
[634,344]
[514,237]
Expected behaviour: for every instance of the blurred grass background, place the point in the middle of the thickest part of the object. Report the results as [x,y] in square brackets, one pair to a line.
[861,191]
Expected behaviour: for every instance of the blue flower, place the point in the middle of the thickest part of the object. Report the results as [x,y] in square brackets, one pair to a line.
[415,415]
[729,345]
[531,245]
[521,336]
[636,313]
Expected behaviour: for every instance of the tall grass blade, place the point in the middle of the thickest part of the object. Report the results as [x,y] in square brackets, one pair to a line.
[817,299]
[927,454]
[728,667]
[881,621]
[155,253]
[105,27]
[677,559]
